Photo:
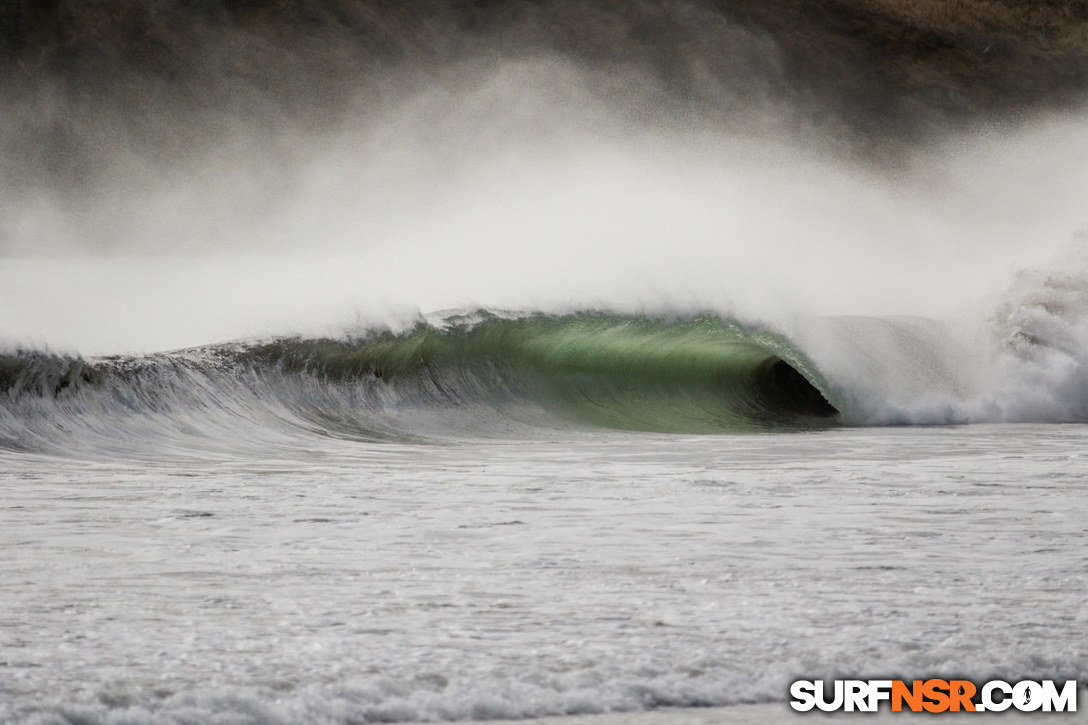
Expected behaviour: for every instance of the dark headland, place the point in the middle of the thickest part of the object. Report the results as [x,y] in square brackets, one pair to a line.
[164,74]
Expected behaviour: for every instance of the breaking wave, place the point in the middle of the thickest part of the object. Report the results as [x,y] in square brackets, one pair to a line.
[468,374]
[498,374]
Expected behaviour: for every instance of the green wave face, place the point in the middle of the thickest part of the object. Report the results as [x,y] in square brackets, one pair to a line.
[698,375]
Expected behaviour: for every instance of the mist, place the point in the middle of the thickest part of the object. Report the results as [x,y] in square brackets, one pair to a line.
[523,178]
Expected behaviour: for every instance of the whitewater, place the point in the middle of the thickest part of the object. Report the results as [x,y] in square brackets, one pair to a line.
[461,415]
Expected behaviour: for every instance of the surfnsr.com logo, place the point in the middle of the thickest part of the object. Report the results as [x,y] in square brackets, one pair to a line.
[934,696]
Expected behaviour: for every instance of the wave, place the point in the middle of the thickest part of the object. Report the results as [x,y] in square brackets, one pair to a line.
[697,375]
[495,373]
[467,373]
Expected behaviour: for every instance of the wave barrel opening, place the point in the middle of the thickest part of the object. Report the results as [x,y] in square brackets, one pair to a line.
[782,388]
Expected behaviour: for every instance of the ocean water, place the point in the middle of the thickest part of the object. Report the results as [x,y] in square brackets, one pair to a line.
[329,580]
[500,403]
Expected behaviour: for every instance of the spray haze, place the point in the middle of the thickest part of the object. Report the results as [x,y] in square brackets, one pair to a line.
[183,177]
